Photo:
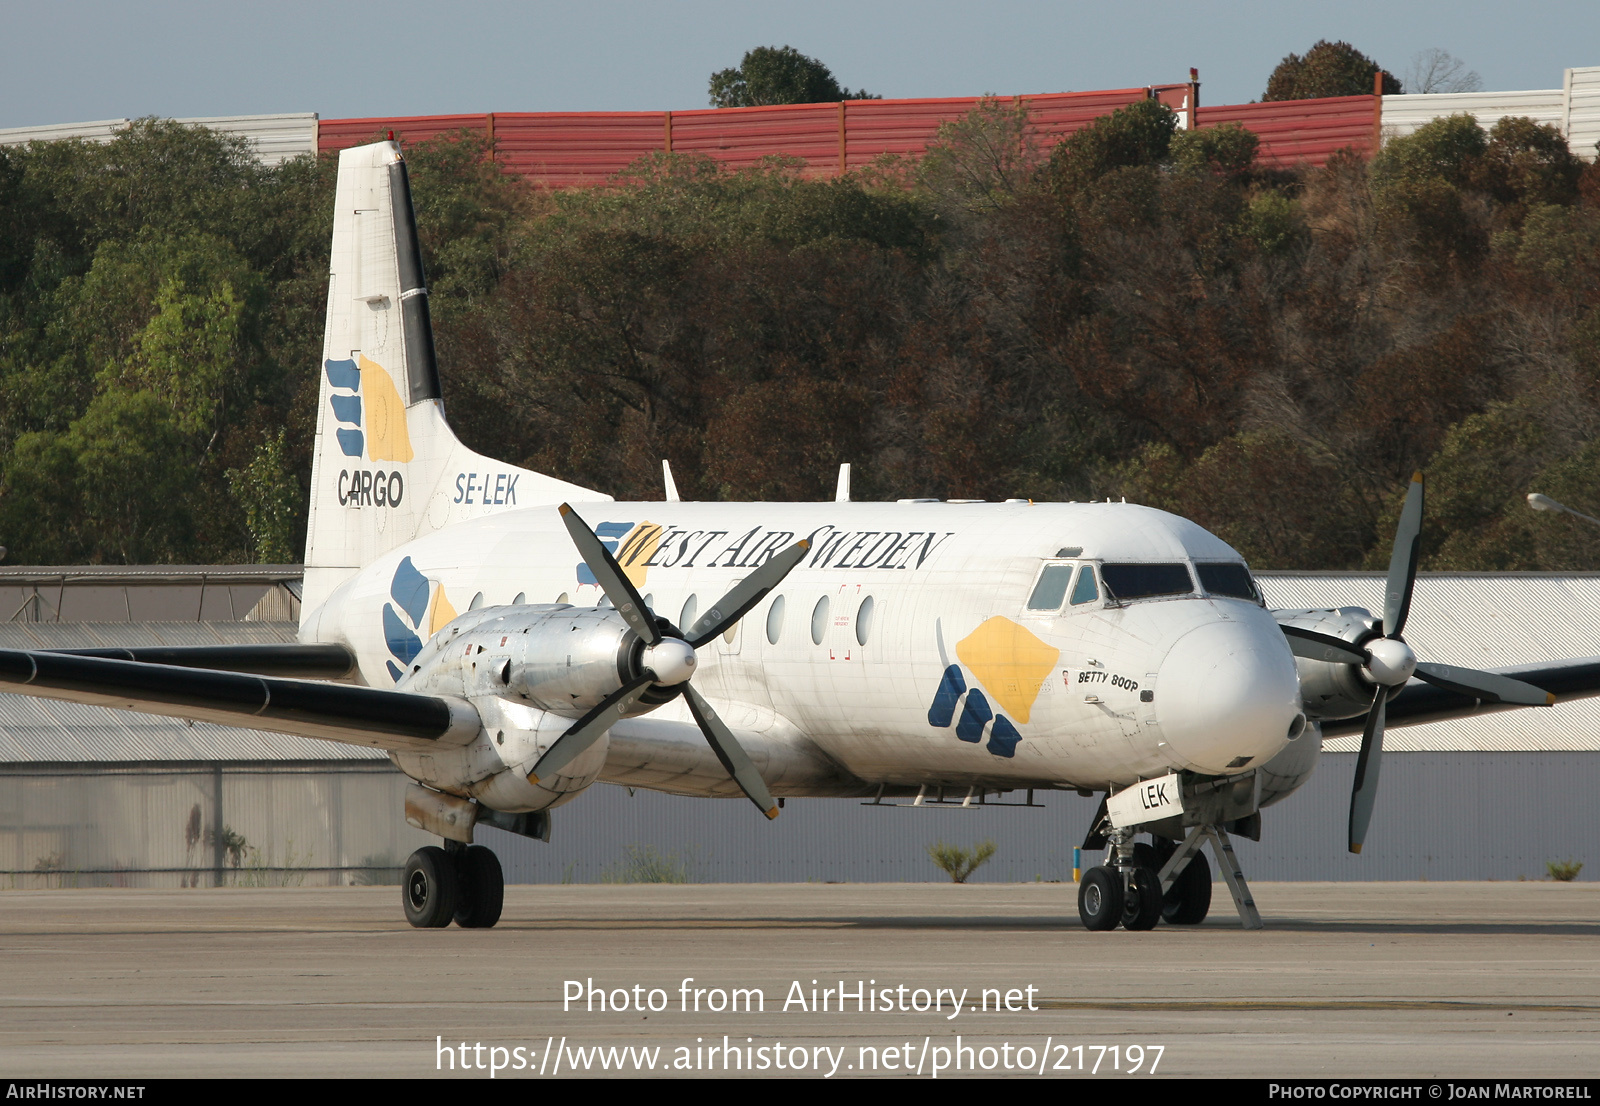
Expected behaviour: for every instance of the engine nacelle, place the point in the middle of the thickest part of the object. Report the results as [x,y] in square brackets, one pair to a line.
[530,670]
[567,660]
[555,657]
[494,767]
[1330,689]
[1287,772]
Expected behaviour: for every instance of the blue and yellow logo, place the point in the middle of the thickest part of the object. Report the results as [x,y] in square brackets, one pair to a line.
[380,435]
[418,611]
[633,547]
[1013,664]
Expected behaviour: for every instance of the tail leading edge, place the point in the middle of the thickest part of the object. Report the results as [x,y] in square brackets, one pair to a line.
[387,468]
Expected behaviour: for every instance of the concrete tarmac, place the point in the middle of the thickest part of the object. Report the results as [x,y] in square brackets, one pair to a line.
[1346,980]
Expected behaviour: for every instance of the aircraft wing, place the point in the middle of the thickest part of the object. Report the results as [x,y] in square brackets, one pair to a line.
[311,662]
[1420,702]
[354,715]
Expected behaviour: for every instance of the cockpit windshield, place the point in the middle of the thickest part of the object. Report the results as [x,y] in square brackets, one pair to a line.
[1125,582]
[1231,580]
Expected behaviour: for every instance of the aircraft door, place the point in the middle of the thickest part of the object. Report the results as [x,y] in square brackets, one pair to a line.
[841,639]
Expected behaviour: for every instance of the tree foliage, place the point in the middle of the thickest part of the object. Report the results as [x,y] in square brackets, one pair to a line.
[1136,310]
[1327,69]
[771,75]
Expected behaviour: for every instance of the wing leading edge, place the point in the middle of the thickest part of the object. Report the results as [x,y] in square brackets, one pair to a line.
[354,715]
[310,662]
[1420,702]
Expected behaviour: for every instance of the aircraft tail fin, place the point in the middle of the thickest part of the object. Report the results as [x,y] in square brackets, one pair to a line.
[386,467]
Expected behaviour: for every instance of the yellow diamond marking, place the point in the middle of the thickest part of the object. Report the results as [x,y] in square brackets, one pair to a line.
[1010,662]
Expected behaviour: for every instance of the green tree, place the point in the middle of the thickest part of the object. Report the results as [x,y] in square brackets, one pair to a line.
[778,75]
[982,161]
[1327,69]
[1131,137]
[1228,149]
[272,499]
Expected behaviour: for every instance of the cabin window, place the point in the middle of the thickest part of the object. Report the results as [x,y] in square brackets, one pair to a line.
[522,597]
[819,620]
[1085,591]
[775,621]
[686,618]
[1051,590]
[1127,582]
[1232,580]
[477,601]
[864,620]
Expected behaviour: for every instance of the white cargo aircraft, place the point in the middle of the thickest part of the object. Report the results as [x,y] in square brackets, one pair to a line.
[512,653]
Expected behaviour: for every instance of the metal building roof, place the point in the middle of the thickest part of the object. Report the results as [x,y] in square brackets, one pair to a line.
[37,731]
[276,138]
[1477,620]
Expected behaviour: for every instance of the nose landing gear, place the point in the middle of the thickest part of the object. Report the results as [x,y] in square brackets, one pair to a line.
[459,882]
[1144,884]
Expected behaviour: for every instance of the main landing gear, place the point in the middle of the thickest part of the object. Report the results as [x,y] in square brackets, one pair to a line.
[1145,884]
[459,882]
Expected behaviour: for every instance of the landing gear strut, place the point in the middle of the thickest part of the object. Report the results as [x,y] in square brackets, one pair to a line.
[1142,884]
[459,882]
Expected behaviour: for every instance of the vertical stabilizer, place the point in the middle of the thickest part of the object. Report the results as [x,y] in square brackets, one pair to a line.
[387,468]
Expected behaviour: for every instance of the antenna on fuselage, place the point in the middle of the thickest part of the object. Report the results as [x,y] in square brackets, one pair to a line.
[666,476]
[842,495]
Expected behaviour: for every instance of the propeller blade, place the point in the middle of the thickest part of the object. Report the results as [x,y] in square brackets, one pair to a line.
[587,730]
[1365,790]
[1488,686]
[618,588]
[730,753]
[1322,647]
[746,594]
[1403,561]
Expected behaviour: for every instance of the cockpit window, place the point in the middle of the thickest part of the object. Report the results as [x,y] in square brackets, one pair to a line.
[1146,581]
[1232,580]
[1051,588]
[1085,590]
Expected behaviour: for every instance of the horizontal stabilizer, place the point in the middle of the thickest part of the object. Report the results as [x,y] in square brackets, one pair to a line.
[352,715]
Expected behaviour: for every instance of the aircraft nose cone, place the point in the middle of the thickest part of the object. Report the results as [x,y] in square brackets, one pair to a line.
[1228,690]
[671,659]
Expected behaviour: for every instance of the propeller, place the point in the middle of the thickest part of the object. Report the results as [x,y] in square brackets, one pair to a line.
[1388,662]
[668,660]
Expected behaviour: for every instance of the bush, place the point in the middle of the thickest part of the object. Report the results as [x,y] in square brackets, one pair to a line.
[1139,134]
[1563,871]
[1228,149]
[645,864]
[959,863]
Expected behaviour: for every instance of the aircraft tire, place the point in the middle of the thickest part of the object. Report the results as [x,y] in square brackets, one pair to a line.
[428,890]
[1100,898]
[1190,898]
[1142,909]
[483,888]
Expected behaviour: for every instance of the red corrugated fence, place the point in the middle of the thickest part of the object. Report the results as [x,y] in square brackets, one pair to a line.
[570,149]
[1309,131]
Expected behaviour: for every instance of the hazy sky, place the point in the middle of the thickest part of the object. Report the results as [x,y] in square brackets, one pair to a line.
[64,61]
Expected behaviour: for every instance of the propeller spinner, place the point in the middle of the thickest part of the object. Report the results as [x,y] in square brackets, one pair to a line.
[1387,662]
[668,660]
